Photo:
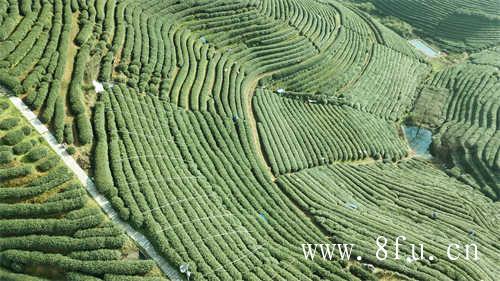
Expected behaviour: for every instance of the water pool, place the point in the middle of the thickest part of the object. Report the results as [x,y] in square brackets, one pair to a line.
[424,48]
[419,139]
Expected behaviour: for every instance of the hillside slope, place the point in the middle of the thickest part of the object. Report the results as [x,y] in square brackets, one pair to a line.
[50,228]
[192,115]
[456,25]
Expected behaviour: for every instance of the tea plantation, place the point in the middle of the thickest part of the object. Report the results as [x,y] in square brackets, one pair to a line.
[456,25]
[49,226]
[468,136]
[231,132]
[360,202]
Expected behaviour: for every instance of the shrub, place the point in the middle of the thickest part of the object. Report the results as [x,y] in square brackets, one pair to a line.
[59,119]
[6,157]
[88,267]
[102,172]
[23,147]
[9,123]
[85,33]
[36,101]
[101,254]
[10,82]
[4,105]
[119,205]
[50,104]
[5,148]
[26,130]
[71,150]
[84,128]
[48,164]
[13,137]
[68,134]
[15,172]
[25,7]
[75,91]
[36,154]
[109,277]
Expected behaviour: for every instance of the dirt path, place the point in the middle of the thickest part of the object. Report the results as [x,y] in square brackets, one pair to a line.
[252,122]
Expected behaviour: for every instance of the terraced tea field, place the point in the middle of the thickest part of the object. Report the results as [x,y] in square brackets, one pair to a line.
[469,131]
[231,132]
[49,226]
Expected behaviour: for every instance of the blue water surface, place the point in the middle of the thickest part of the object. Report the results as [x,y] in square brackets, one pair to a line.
[419,139]
[424,48]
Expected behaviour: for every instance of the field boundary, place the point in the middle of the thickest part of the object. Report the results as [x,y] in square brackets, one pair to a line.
[71,163]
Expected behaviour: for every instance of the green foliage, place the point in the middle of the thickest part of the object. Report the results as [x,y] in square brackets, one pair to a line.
[8,123]
[400,27]
[84,128]
[77,106]
[13,137]
[46,221]
[68,264]
[304,136]
[15,172]
[6,157]
[86,28]
[50,104]
[102,173]
[27,130]
[22,147]
[467,131]
[71,150]
[110,277]
[48,164]
[59,119]
[10,82]
[36,154]
[362,274]
[389,214]
[25,7]
[102,255]
[68,133]
[176,122]
[4,105]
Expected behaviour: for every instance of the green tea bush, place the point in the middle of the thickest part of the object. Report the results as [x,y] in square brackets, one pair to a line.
[6,157]
[36,154]
[22,147]
[8,123]
[13,137]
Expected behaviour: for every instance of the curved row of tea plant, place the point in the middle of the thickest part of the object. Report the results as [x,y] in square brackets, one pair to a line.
[388,85]
[314,19]
[49,227]
[298,135]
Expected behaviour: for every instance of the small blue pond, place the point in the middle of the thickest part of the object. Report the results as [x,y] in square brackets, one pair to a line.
[419,139]
[424,48]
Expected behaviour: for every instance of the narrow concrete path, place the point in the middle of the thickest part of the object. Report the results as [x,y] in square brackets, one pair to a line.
[140,239]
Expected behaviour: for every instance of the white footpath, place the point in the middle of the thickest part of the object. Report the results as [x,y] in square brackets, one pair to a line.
[139,238]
